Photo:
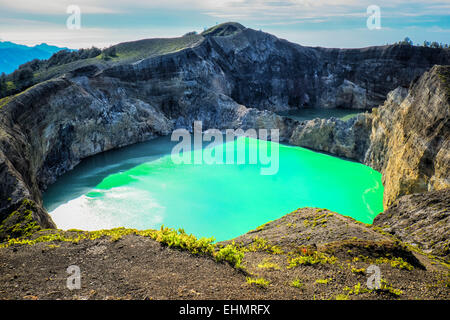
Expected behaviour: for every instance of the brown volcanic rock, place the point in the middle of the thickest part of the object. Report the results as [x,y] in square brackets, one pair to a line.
[421,219]
[410,141]
[349,139]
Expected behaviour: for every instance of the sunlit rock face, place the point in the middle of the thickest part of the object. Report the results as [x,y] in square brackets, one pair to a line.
[410,139]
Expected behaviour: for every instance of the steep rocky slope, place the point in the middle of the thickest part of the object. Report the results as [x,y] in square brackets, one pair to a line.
[410,139]
[420,219]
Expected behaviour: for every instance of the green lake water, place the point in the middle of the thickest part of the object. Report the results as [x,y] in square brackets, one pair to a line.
[141,187]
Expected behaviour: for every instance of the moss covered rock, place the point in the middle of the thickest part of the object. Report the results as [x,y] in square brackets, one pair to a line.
[20,222]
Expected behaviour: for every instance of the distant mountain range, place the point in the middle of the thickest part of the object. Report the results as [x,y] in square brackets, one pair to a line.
[12,55]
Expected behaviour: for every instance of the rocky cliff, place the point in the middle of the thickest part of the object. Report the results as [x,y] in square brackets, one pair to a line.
[229,77]
[407,139]
[421,219]
[410,139]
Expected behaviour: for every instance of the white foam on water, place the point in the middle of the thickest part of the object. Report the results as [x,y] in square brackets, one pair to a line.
[117,207]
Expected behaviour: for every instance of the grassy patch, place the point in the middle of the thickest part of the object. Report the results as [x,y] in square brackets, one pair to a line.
[312,259]
[356,290]
[261,227]
[141,49]
[260,244]
[20,222]
[260,282]
[297,284]
[394,262]
[269,265]
[223,29]
[324,281]
[232,254]
[358,271]
[386,287]
[5,100]
[166,236]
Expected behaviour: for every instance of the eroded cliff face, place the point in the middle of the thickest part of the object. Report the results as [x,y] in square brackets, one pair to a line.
[410,139]
[421,219]
[349,139]
[407,139]
[231,81]
[265,72]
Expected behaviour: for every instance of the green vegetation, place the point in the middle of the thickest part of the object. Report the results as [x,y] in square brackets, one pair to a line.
[297,284]
[4,101]
[269,265]
[291,225]
[65,61]
[260,282]
[3,85]
[313,258]
[20,223]
[28,74]
[261,227]
[137,50]
[356,290]
[109,53]
[318,220]
[428,44]
[183,241]
[386,287]
[223,29]
[166,236]
[358,271]
[232,254]
[324,281]
[260,244]
[395,262]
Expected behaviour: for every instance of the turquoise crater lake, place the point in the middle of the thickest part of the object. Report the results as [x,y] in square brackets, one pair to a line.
[141,187]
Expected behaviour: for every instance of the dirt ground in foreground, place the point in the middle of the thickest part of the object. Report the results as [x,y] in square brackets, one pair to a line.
[137,267]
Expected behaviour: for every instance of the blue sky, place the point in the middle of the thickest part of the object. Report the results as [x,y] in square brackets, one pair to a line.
[328,23]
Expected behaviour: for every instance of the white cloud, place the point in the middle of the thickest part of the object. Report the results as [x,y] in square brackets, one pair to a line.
[33,28]
[225,7]
[30,33]
[56,7]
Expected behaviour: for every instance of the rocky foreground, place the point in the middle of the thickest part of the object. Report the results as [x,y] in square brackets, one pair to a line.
[308,254]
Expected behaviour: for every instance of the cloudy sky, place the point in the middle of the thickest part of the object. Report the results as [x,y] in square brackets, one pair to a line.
[328,23]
